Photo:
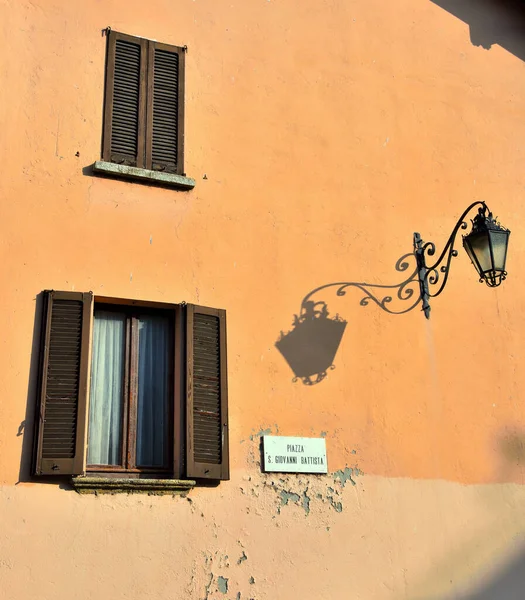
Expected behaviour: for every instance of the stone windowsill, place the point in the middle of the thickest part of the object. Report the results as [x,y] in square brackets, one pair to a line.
[108,485]
[145,175]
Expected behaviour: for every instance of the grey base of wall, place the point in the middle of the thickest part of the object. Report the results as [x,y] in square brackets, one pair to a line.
[179,182]
[106,485]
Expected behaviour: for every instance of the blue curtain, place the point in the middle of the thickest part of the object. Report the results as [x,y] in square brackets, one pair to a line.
[153,392]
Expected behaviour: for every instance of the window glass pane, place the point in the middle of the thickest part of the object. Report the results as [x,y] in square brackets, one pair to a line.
[105,401]
[153,392]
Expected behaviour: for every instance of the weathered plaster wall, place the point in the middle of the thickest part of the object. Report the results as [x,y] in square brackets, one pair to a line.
[321,136]
[395,538]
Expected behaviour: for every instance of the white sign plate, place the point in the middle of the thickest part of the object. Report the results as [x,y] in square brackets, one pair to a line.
[294,454]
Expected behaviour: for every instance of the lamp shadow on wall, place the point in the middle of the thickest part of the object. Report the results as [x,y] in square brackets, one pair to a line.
[491,22]
[311,345]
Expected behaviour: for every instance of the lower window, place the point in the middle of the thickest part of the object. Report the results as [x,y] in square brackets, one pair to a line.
[130,413]
[157,400]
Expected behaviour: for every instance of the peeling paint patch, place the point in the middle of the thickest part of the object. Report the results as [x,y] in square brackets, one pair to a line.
[306,503]
[260,433]
[252,580]
[242,558]
[347,474]
[287,496]
[207,588]
[222,584]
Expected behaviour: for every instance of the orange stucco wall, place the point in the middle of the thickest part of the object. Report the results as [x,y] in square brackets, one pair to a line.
[321,136]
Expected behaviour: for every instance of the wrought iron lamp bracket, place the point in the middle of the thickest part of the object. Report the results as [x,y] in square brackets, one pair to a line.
[433,277]
[428,277]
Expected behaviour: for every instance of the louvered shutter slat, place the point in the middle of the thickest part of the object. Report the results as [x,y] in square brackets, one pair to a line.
[126,100]
[165,102]
[164,145]
[207,415]
[63,396]
[124,112]
[206,374]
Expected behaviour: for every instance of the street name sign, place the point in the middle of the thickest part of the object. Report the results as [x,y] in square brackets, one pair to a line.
[294,454]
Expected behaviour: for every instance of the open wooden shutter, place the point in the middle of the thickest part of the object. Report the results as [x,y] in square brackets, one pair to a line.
[165,110]
[62,418]
[207,454]
[125,101]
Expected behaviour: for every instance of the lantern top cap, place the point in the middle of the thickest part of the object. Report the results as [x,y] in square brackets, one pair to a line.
[483,222]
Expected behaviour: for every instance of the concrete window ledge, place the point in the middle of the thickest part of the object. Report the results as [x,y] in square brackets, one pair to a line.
[179,182]
[156,487]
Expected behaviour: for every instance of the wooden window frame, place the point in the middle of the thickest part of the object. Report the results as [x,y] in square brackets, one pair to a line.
[130,392]
[145,115]
[187,343]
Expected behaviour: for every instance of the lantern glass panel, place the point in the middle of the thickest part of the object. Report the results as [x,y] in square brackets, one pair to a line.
[499,248]
[479,244]
[468,250]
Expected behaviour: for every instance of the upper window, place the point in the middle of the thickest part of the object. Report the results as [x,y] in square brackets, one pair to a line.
[157,399]
[144,104]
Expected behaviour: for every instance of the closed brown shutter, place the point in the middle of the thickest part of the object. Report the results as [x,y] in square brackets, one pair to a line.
[207,453]
[61,419]
[165,110]
[125,101]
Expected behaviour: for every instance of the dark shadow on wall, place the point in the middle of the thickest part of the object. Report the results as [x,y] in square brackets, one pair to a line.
[512,448]
[27,427]
[491,22]
[310,346]
[507,583]
[506,580]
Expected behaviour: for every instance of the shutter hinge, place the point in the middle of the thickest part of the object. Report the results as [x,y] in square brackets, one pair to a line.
[185,48]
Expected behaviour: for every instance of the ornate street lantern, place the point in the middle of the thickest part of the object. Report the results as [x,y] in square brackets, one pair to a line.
[486,246]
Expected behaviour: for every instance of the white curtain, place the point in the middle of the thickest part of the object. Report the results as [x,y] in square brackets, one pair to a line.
[153,392]
[105,404]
